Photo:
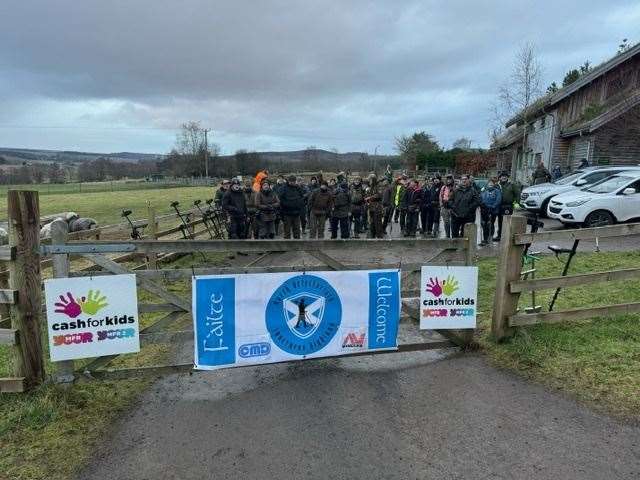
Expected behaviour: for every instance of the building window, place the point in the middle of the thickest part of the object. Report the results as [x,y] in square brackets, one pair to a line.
[543,122]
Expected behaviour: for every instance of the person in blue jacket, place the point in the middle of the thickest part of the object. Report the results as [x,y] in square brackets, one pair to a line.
[491,198]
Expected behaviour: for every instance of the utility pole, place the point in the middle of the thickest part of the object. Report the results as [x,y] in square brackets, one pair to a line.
[206,153]
[375,159]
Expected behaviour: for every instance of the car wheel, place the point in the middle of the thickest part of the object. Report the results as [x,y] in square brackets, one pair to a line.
[543,208]
[599,218]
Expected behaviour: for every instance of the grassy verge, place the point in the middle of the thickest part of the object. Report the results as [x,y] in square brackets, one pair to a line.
[106,207]
[597,360]
[51,432]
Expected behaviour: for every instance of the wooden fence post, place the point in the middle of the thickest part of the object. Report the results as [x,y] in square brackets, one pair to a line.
[152,258]
[60,262]
[24,276]
[508,270]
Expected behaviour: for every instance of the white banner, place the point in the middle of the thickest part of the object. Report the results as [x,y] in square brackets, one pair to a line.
[448,297]
[275,317]
[92,316]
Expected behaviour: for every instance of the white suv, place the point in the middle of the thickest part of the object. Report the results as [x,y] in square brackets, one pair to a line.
[615,199]
[536,198]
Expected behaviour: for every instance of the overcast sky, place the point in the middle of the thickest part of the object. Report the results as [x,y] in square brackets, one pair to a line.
[122,75]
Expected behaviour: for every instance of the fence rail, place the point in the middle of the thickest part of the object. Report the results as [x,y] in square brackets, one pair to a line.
[509,284]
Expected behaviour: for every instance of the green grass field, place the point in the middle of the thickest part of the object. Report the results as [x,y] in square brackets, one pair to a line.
[85,187]
[106,207]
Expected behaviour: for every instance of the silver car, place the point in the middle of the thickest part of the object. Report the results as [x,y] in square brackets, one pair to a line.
[536,198]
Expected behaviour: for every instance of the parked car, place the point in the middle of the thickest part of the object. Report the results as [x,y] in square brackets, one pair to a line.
[536,198]
[612,200]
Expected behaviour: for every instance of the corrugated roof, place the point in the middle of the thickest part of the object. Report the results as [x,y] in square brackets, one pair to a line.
[553,98]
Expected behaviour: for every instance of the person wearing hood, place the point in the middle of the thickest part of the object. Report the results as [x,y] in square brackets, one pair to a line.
[251,229]
[267,204]
[235,206]
[340,214]
[373,200]
[445,206]
[464,201]
[291,207]
[510,194]
[491,198]
[320,205]
[357,206]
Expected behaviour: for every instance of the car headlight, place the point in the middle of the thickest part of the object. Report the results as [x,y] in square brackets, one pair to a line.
[577,203]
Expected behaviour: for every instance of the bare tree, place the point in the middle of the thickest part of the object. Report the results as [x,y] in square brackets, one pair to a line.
[522,88]
[463,143]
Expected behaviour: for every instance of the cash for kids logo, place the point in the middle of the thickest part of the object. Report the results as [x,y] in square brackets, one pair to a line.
[91,304]
[442,290]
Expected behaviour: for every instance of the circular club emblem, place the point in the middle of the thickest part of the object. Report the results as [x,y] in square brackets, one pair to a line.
[303,314]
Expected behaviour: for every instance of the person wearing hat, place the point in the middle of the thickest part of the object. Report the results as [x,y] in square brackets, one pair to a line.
[224,186]
[374,202]
[320,206]
[510,194]
[251,229]
[235,206]
[267,203]
[357,206]
[341,209]
[291,206]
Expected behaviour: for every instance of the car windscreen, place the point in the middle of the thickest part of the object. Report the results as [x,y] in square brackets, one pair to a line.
[609,185]
[567,179]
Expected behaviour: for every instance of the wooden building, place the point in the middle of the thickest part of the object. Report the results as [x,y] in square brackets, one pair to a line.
[597,117]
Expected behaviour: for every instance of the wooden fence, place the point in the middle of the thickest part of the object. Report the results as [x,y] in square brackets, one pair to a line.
[509,284]
[25,282]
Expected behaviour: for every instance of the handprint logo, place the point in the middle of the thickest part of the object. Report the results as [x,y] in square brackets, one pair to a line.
[434,287]
[449,286]
[93,302]
[69,306]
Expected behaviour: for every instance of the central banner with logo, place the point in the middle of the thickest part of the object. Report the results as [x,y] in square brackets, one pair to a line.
[275,317]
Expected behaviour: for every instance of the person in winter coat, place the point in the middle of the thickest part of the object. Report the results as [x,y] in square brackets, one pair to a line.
[357,206]
[541,174]
[445,205]
[433,225]
[491,198]
[320,205]
[303,215]
[464,202]
[267,204]
[401,205]
[251,228]
[235,205]
[425,207]
[277,189]
[398,193]
[341,209]
[291,207]
[387,203]
[413,201]
[510,194]
[556,172]
[224,187]
[373,199]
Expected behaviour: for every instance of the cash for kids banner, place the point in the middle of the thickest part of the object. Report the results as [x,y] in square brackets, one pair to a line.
[448,297]
[92,317]
[274,317]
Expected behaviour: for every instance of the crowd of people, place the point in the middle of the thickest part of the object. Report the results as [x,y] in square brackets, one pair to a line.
[371,206]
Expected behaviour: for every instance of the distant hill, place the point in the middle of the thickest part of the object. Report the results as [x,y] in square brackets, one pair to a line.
[19,155]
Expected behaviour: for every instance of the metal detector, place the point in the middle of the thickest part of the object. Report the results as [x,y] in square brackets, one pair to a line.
[214,217]
[205,220]
[135,230]
[184,228]
[559,251]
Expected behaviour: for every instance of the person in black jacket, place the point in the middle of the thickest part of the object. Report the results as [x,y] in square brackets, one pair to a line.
[464,203]
[291,206]
[426,207]
[413,201]
[433,226]
[235,206]
[340,214]
[357,207]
